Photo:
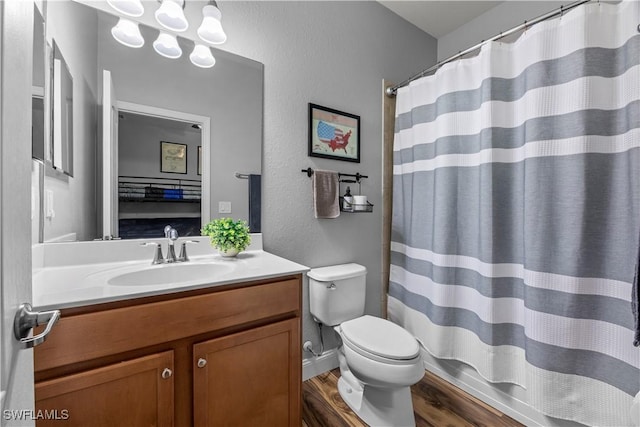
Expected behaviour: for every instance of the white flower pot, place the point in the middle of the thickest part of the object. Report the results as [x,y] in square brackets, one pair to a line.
[231,252]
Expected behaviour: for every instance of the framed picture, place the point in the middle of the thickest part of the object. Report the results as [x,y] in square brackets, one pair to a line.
[199,160]
[173,157]
[333,134]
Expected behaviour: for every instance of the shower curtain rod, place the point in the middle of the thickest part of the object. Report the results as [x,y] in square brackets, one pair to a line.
[391,90]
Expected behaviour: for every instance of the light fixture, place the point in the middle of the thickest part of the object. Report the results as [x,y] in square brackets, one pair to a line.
[127,7]
[211,29]
[202,57]
[127,33]
[167,46]
[171,16]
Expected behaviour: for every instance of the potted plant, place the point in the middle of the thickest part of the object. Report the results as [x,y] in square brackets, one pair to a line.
[228,236]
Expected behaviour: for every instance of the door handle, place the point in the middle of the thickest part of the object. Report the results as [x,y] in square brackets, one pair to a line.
[26,319]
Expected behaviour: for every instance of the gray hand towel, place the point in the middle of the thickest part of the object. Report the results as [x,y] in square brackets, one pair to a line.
[325,194]
[255,203]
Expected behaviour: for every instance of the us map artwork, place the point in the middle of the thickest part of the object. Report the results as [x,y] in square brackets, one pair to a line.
[333,136]
[333,133]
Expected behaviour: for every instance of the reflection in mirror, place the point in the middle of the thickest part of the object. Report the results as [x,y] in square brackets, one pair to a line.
[37,87]
[37,124]
[229,95]
[148,196]
[62,113]
[37,127]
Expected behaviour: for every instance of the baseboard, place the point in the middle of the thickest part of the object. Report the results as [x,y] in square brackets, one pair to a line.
[318,365]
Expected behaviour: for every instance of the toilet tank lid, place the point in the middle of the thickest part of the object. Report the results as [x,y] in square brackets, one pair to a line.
[337,272]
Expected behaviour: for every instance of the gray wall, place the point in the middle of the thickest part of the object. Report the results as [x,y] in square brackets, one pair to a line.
[334,54]
[503,17]
[139,147]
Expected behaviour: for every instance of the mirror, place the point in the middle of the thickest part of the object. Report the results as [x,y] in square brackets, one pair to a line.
[37,123]
[37,87]
[62,124]
[225,100]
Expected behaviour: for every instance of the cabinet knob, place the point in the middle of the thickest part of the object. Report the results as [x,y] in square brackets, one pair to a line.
[202,363]
[166,373]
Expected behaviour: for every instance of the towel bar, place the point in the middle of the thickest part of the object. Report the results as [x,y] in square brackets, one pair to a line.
[353,208]
[357,176]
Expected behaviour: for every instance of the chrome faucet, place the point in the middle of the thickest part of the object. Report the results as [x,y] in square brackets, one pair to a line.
[172,235]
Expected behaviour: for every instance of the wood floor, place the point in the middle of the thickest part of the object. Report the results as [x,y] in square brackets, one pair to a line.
[436,403]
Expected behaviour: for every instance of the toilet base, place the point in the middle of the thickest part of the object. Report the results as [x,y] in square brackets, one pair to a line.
[379,407]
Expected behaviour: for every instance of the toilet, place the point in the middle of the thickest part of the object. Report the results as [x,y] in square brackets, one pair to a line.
[379,360]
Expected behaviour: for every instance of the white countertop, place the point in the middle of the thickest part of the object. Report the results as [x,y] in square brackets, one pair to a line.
[87,283]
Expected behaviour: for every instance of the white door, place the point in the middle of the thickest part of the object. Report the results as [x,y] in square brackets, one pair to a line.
[16,370]
[109,158]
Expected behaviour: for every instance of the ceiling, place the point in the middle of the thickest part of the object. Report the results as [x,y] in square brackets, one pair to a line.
[438,18]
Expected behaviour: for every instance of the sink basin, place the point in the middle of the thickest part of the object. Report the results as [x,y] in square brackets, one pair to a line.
[166,274]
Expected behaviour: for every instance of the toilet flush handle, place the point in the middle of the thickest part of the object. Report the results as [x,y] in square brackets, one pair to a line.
[332,287]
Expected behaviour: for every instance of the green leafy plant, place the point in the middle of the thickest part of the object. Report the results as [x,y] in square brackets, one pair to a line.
[225,233]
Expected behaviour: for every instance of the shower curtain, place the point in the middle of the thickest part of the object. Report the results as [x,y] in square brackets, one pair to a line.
[516,212]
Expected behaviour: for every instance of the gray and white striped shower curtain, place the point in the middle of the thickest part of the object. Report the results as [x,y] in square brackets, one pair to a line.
[516,212]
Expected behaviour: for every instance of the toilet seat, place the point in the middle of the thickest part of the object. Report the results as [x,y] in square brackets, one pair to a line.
[380,339]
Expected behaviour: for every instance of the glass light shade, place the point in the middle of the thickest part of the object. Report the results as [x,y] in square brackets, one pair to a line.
[202,57]
[167,46]
[127,33]
[127,7]
[211,29]
[171,16]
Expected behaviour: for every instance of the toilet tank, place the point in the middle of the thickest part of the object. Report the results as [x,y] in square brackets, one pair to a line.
[337,293]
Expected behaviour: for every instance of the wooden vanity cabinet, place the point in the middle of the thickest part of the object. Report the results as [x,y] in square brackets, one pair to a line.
[137,392]
[245,378]
[222,356]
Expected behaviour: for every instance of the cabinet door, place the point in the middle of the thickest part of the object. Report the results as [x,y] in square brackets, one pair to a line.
[137,392]
[251,378]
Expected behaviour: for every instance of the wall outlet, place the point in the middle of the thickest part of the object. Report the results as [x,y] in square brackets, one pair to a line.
[224,207]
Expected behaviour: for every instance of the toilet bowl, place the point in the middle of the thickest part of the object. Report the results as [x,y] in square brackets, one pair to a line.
[377,373]
[379,360]
[381,353]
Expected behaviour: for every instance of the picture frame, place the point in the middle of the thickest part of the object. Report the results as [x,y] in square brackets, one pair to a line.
[173,157]
[199,160]
[333,134]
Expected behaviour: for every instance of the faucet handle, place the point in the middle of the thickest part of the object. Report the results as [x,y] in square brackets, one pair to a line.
[157,257]
[183,250]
